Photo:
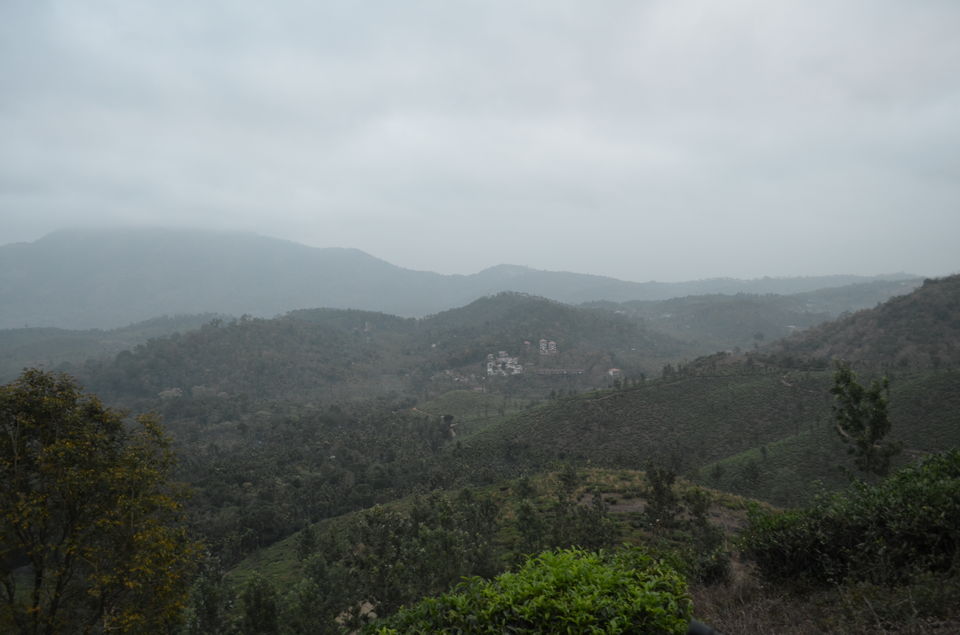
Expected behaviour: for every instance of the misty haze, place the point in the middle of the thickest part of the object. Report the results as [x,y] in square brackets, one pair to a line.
[479,317]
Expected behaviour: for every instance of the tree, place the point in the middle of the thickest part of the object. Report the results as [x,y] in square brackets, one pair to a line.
[862,421]
[306,542]
[91,532]
[207,613]
[661,509]
[260,607]
[315,603]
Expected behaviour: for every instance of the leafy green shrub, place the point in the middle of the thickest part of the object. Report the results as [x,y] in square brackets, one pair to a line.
[564,591]
[884,533]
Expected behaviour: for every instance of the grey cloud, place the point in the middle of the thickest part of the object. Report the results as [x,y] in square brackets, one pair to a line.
[644,140]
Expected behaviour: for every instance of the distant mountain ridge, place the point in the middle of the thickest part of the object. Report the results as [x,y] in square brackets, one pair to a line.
[747,320]
[111,278]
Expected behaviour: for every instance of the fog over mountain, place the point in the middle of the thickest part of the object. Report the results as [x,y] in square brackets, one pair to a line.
[105,279]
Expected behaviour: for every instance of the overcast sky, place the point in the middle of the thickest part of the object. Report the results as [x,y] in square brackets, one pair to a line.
[661,140]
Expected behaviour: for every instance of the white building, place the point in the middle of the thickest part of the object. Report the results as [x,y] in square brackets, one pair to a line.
[503,365]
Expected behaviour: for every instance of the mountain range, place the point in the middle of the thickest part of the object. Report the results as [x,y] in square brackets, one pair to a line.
[82,279]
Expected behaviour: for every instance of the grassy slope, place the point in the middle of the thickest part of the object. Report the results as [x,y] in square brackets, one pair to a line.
[924,410]
[472,410]
[765,435]
[786,472]
[684,422]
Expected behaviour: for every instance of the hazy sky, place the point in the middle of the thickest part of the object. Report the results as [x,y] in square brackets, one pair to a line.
[640,139]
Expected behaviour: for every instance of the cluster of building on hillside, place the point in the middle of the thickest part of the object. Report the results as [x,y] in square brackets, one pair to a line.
[503,364]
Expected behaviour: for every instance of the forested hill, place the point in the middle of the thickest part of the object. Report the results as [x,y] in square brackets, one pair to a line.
[49,347]
[519,317]
[337,355]
[107,279]
[918,330]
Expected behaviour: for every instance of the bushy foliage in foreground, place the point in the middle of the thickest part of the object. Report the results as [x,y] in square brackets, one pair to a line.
[884,533]
[564,591]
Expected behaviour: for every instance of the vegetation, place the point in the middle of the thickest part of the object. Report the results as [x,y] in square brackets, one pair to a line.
[347,463]
[885,533]
[52,347]
[344,356]
[918,330]
[565,591]
[792,470]
[373,561]
[91,530]
[862,420]
[682,423]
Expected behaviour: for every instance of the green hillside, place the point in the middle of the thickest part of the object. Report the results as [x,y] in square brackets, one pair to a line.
[51,347]
[493,527]
[472,410]
[766,435]
[684,422]
[918,330]
[341,355]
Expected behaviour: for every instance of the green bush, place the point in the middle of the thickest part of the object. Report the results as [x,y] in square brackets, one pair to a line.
[564,591]
[884,533]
